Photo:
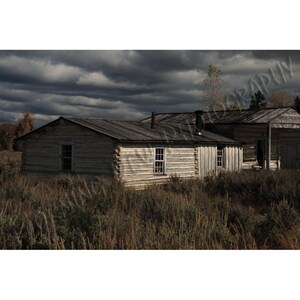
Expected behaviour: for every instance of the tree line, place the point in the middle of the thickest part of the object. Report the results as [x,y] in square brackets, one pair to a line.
[214,92]
[10,131]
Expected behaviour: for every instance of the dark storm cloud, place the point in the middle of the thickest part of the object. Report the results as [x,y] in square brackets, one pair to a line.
[277,54]
[123,84]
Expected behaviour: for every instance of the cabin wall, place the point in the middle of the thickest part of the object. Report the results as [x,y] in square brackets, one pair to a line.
[285,145]
[285,150]
[224,129]
[246,134]
[289,147]
[93,154]
[136,163]
[250,134]
[207,161]
[232,160]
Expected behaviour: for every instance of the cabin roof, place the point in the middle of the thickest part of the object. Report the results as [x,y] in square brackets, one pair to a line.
[280,116]
[137,131]
[140,131]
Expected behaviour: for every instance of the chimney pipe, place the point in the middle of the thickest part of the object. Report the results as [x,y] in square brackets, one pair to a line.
[199,122]
[153,120]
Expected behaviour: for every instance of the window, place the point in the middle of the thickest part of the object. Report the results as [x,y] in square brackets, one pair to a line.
[66,158]
[220,156]
[160,161]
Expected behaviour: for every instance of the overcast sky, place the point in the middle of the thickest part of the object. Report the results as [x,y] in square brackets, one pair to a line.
[132,84]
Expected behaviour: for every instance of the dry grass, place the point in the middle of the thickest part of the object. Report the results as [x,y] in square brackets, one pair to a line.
[234,211]
[10,162]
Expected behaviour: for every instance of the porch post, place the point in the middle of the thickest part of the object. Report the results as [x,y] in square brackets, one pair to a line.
[269,134]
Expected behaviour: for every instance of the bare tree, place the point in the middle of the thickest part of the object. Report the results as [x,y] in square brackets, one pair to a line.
[213,88]
[280,98]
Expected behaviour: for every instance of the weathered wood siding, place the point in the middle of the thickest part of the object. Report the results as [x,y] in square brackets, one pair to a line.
[93,154]
[207,160]
[285,149]
[233,158]
[250,134]
[288,119]
[289,147]
[136,163]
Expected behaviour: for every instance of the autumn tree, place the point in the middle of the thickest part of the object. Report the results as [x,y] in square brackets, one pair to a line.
[280,98]
[7,134]
[258,100]
[25,124]
[213,88]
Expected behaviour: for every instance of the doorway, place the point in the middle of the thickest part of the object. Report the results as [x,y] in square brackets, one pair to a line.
[260,152]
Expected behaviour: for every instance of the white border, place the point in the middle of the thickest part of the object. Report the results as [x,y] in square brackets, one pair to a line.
[155,24]
[149,274]
[134,24]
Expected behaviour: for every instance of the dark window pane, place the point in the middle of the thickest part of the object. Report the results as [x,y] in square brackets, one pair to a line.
[159,154]
[67,150]
[159,164]
[159,167]
[220,156]
[67,164]
[66,157]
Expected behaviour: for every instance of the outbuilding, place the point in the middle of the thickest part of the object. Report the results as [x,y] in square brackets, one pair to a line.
[270,136]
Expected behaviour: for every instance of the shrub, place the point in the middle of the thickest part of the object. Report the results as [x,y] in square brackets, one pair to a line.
[280,228]
[232,211]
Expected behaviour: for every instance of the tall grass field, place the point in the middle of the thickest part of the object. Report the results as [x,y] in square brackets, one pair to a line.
[250,210]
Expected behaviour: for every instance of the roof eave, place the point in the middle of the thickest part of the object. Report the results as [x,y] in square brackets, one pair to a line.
[179,142]
[36,130]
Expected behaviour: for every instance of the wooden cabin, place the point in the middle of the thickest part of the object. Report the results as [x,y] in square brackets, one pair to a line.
[135,153]
[270,136]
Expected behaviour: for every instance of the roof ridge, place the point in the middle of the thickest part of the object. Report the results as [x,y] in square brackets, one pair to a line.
[224,110]
[103,119]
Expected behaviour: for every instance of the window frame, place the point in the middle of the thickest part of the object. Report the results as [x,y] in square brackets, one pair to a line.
[163,161]
[61,157]
[222,156]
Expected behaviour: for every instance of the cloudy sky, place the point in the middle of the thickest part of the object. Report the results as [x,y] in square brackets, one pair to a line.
[132,84]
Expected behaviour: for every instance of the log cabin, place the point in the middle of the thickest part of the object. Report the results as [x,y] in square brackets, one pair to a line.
[270,136]
[134,152]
